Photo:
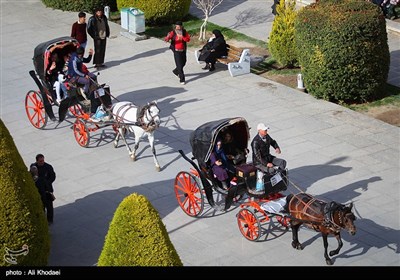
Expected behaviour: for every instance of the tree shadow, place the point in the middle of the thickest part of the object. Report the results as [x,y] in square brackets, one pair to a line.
[80,227]
[251,17]
[222,8]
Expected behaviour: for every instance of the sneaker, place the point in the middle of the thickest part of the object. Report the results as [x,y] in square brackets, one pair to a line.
[183,83]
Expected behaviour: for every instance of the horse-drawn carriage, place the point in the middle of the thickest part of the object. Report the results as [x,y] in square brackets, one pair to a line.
[190,187]
[92,111]
[39,104]
[256,208]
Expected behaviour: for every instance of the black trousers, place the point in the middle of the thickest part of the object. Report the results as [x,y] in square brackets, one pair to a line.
[99,50]
[180,62]
[48,206]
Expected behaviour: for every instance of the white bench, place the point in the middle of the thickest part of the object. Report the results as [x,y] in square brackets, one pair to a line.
[238,60]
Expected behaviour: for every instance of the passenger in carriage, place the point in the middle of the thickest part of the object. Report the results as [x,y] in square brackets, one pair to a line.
[53,71]
[233,153]
[78,72]
[221,166]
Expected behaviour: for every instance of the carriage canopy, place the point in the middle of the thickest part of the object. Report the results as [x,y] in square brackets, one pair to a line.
[203,139]
[43,51]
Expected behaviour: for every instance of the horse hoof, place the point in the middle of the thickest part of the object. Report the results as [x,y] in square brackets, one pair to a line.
[297,246]
[158,169]
[329,262]
[332,253]
[115,145]
[133,158]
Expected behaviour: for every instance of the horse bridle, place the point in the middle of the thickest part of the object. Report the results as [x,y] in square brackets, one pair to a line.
[151,125]
[341,215]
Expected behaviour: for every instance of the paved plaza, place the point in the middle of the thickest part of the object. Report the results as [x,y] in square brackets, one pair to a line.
[332,152]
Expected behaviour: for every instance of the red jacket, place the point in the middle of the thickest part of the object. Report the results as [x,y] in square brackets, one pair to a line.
[178,44]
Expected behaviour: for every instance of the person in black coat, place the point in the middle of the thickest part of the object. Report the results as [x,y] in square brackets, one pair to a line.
[214,49]
[99,30]
[261,144]
[44,182]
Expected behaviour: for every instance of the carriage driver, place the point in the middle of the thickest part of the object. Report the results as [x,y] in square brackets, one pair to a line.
[77,71]
[262,158]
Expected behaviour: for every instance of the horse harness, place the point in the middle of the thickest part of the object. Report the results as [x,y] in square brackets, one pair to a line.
[141,111]
[328,210]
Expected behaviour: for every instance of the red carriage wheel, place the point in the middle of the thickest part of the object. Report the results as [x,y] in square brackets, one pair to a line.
[76,110]
[81,133]
[284,221]
[189,194]
[34,107]
[249,224]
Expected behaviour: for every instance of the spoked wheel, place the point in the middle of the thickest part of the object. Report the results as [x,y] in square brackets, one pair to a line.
[76,110]
[284,221]
[189,194]
[249,224]
[81,133]
[34,107]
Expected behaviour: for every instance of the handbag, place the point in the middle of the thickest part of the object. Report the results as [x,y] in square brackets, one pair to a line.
[50,196]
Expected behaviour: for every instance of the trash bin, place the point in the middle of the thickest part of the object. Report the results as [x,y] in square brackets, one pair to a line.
[124,18]
[135,21]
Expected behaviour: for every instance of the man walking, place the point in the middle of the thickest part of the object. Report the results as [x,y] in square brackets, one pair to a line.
[179,37]
[46,176]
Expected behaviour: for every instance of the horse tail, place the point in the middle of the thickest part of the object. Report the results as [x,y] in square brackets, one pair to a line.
[288,199]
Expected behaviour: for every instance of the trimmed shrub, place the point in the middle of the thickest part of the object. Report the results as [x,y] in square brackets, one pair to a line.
[159,11]
[80,5]
[137,237]
[281,43]
[343,50]
[22,219]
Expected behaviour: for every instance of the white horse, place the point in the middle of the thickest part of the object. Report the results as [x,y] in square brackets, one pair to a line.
[142,121]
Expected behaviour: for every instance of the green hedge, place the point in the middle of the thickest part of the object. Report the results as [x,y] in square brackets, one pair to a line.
[137,237]
[22,219]
[80,5]
[159,11]
[343,50]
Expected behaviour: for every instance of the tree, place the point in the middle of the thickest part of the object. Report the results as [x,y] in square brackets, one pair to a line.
[281,43]
[207,6]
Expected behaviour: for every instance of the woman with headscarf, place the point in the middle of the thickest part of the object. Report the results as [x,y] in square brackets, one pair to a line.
[217,48]
[220,165]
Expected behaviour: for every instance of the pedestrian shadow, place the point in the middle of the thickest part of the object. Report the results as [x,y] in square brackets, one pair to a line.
[146,54]
[305,176]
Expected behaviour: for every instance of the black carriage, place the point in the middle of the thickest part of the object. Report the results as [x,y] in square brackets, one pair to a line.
[190,187]
[39,104]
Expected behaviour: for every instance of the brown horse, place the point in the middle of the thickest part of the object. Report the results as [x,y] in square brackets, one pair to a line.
[327,218]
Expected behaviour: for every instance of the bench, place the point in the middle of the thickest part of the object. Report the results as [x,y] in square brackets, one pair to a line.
[238,60]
